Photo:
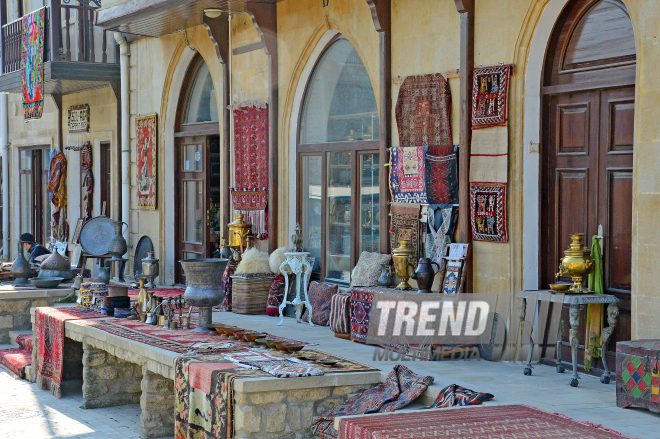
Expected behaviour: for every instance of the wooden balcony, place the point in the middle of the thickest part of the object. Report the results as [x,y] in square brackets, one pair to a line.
[78,55]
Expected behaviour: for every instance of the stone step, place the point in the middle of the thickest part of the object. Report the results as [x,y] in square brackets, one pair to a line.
[14,334]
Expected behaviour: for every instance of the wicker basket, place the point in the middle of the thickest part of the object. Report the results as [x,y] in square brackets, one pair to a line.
[250,294]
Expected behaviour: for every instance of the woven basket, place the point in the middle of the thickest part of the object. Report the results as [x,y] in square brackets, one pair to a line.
[250,294]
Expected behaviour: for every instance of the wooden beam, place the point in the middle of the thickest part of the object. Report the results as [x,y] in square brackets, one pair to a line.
[264,17]
[466,10]
[381,13]
[60,131]
[218,29]
[248,48]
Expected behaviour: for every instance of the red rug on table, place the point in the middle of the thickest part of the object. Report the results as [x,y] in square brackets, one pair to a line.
[507,421]
[49,324]
[165,293]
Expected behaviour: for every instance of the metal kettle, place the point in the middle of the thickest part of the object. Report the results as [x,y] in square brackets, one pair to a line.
[425,275]
[117,246]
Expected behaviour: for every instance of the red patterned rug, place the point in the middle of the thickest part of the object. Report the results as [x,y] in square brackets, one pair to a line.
[165,293]
[49,324]
[15,360]
[508,421]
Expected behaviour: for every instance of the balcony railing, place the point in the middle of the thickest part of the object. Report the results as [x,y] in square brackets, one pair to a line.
[77,38]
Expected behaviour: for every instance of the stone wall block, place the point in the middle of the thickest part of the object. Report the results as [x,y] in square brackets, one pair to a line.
[41,302]
[310,394]
[247,418]
[275,416]
[14,306]
[267,398]
[157,404]
[294,417]
[6,322]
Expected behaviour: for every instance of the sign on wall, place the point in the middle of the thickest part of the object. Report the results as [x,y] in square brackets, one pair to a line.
[146,129]
[79,119]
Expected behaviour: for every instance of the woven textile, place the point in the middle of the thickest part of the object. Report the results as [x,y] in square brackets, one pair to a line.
[441,223]
[57,176]
[203,396]
[401,387]
[275,295]
[320,296]
[455,395]
[226,284]
[507,421]
[280,367]
[361,299]
[422,111]
[146,129]
[15,360]
[488,211]
[368,269]
[490,89]
[250,195]
[408,175]
[25,341]
[405,225]
[442,178]
[340,313]
[165,293]
[32,63]
[49,324]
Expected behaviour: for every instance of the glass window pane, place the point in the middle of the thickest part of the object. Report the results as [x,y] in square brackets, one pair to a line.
[202,104]
[339,230]
[192,158]
[339,104]
[312,174]
[369,207]
[193,218]
[26,203]
[26,160]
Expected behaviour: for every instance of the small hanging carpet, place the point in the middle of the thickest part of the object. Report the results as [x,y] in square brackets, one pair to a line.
[250,195]
[32,64]
[405,225]
[422,111]
[488,211]
[505,421]
[490,88]
[408,175]
[442,176]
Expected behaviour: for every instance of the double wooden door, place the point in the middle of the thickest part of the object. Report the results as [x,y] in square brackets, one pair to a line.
[587,186]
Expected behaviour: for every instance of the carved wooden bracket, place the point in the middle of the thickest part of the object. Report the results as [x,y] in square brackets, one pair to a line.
[218,29]
[463,6]
[381,13]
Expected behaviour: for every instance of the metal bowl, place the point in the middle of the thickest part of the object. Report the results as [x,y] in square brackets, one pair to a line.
[46,282]
[293,347]
[560,287]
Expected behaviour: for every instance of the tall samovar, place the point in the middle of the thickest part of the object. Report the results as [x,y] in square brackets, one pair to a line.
[577,264]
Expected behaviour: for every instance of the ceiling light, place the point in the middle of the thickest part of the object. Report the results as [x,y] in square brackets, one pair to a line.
[212,12]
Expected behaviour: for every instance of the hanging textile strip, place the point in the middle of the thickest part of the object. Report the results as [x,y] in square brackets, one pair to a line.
[441,223]
[408,175]
[442,179]
[595,311]
[57,175]
[490,87]
[488,211]
[253,204]
[32,64]
[422,111]
[405,225]
[146,129]
[49,324]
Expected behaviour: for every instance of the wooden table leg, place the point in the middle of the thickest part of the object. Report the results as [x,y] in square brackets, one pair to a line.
[575,340]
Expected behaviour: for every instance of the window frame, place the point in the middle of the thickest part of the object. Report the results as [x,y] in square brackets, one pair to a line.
[357,148]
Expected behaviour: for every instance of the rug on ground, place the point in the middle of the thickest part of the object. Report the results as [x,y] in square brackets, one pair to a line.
[401,387]
[507,421]
[49,324]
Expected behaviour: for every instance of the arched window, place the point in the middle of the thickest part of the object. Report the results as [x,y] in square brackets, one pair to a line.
[338,163]
[202,105]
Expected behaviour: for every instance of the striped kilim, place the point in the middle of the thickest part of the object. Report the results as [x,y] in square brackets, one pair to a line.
[508,421]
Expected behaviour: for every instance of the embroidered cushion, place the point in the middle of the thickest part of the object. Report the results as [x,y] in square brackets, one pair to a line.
[340,313]
[368,269]
[320,296]
[275,296]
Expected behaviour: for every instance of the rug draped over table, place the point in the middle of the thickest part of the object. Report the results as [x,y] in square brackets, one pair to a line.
[32,63]
[442,177]
[408,175]
[488,211]
[422,111]
[401,387]
[507,421]
[250,194]
[490,88]
[405,225]
[49,324]
[146,129]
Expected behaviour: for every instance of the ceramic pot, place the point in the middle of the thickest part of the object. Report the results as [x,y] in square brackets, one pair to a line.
[204,290]
[424,274]
[104,275]
[20,269]
[117,247]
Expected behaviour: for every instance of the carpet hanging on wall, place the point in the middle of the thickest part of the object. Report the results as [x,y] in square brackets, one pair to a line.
[146,129]
[490,87]
[408,175]
[32,64]
[405,225]
[488,211]
[57,174]
[250,193]
[442,176]
[422,111]
[88,181]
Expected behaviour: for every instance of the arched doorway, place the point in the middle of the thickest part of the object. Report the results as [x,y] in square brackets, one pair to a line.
[588,89]
[338,201]
[197,165]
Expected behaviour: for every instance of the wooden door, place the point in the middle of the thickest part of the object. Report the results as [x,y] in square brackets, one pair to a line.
[106,179]
[192,199]
[587,150]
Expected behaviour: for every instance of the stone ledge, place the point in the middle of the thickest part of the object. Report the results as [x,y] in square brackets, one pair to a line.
[28,293]
[267,384]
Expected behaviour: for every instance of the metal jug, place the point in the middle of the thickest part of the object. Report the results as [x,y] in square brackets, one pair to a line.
[386,276]
[117,247]
[424,275]
[20,269]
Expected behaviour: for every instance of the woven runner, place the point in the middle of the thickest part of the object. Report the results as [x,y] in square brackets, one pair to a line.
[49,324]
[32,63]
[507,421]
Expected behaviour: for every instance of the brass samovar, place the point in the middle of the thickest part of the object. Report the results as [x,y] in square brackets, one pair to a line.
[404,258]
[238,234]
[577,264]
